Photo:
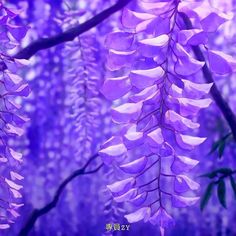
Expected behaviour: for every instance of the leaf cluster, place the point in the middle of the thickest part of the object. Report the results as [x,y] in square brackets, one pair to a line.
[218,179]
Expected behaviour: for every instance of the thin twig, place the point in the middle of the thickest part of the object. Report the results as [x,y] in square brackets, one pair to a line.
[215,93]
[48,207]
[70,34]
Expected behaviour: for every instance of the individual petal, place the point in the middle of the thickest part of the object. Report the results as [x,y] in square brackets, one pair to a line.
[20,120]
[13,78]
[119,59]
[4,226]
[183,164]
[112,153]
[151,47]
[126,112]
[192,64]
[183,183]
[155,138]
[139,199]
[192,37]
[145,78]
[130,19]
[155,7]
[3,159]
[179,122]
[180,201]
[14,213]
[18,32]
[122,185]
[11,129]
[140,214]
[192,106]
[13,184]
[196,90]
[132,137]
[15,193]
[23,90]
[127,196]
[119,41]
[10,153]
[214,20]
[144,26]
[221,63]
[15,176]
[146,94]
[135,166]
[162,218]
[176,91]
[188,142]
[114,88]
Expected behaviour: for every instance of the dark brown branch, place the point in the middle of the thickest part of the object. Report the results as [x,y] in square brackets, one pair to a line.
[39,212]
[215,93]
[70,34]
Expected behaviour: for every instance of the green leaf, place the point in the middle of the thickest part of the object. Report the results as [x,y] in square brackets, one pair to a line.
[214,147]
[233,184]
[221,191]
[210,175]
[213,174]
[220,145]
[225,171]
[206,197]
[221,149]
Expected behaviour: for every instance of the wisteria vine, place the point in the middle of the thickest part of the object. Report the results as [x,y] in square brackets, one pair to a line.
[160,80]
[12,89]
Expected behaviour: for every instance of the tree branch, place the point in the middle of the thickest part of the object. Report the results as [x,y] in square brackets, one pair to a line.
[70,34]
[48,207]
[215,93]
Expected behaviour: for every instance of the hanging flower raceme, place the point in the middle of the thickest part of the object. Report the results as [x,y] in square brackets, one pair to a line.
[157,75]
[11,121]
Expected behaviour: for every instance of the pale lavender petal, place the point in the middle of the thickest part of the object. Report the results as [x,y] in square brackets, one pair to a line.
[120,59]
[196,90]
[127,196]
[126,112]
[114,88]
[188,142]
[146,94]
[183,183]
[130,19]
[145,78]
[135,166]
[183,164]
[221,63]
[139,199]
[179,122]
[119,40]
[162,218]
[140,214]
[180,201]
[121,186]
[155,138]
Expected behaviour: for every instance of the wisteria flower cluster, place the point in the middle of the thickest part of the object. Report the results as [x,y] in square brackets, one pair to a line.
[160,82]
[11,120]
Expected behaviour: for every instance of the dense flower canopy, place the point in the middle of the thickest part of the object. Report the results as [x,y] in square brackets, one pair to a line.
[117,117]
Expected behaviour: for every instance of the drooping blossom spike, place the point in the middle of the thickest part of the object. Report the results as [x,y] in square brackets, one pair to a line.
[159,93]
[13,88]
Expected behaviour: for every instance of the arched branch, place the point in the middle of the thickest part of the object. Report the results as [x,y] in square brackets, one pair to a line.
[48,207]
[70,34]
